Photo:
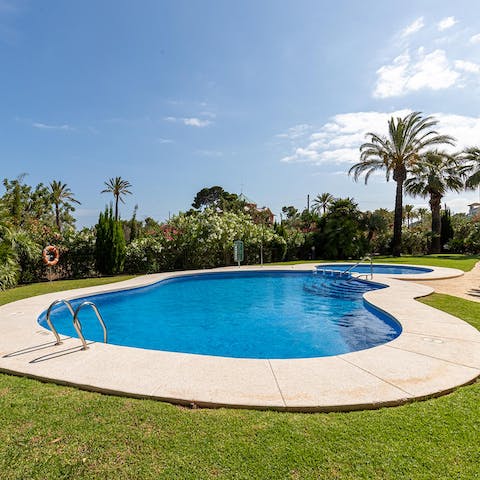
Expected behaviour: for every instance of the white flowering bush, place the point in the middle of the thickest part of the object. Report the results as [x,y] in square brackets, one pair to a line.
[77,253]
[144,255]
[202,240]
[206,239]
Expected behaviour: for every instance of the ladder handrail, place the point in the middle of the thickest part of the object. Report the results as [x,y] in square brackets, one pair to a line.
[49,321]
[364,259]
[78,325]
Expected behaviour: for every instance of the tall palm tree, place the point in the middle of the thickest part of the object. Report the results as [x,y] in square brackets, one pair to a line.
[322,202]
[61,195]
[397,153]
[472,157]
[409,213]
[119,188]
[437,174]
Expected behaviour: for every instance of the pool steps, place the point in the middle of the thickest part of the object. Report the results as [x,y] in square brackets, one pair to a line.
[349,288]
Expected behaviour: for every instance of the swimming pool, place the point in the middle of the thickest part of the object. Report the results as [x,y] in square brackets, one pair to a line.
[270,314]
[377,268]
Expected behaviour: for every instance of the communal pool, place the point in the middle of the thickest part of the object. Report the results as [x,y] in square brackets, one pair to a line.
[268,314]
[377,268]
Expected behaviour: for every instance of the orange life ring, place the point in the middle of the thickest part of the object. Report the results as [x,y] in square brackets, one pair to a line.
[50,255]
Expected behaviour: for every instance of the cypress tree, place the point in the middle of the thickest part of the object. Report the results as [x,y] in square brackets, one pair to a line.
[110,244]
[447,231]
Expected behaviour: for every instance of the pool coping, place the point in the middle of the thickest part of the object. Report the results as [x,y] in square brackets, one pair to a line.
[434,354]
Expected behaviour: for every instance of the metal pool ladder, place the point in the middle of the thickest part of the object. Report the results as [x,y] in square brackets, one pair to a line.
[364,259]
[76,321]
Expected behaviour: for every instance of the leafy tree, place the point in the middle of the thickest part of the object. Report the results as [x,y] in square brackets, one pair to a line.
[110,244]
[25,205]
[218,198]
[62,199]
[322,202]
[397,154]
[438,173]
[341,231]
[290,212]
[376,223]
[119,188]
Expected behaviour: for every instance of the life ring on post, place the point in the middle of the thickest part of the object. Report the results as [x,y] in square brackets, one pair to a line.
[50,255]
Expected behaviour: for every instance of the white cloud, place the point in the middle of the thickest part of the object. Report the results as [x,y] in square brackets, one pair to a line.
[338,141]
[446,23]
[196,122]
[467,66]
[45,126]
[163,141]
[475,38]
[295,132]
[414,27]
[190,121]
[406,74]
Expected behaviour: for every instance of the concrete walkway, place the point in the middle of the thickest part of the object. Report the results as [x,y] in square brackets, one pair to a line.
[467,286]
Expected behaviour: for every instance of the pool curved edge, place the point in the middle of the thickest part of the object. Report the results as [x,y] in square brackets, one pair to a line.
[434,354]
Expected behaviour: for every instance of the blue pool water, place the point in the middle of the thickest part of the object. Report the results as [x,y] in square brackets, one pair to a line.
[239,314]
[385,269]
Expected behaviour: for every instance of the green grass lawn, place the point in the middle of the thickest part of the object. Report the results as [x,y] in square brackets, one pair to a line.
[34,289]
[51,432]
[462,262]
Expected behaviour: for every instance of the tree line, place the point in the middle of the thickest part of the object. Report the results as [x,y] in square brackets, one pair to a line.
[412,153]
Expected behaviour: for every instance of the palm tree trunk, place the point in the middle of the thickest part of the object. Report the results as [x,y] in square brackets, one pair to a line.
[435,206]
[397,222]
[116,208]
[57,216]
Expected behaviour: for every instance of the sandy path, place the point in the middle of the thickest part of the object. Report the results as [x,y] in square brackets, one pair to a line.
[466,286]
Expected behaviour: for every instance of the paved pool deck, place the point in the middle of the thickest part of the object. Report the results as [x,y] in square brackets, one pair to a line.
[467,286]
[434,354]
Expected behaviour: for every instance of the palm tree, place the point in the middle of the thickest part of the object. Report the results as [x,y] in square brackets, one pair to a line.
[61,195]
[421,213]
[322,201]
[438,173]
[119,188]
[397,154]
[472,156]
[409,213]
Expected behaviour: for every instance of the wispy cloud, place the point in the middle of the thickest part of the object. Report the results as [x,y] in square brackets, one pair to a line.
[164,141]
[467,66]
[446,23]
[190,121]
[475,38]
[295,132]
[196,122]
[414,27]
[338,141]
[46,126]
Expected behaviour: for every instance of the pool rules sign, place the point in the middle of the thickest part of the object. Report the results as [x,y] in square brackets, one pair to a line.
[238,251]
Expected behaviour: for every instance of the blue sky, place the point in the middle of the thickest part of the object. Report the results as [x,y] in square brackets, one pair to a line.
[270,97]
